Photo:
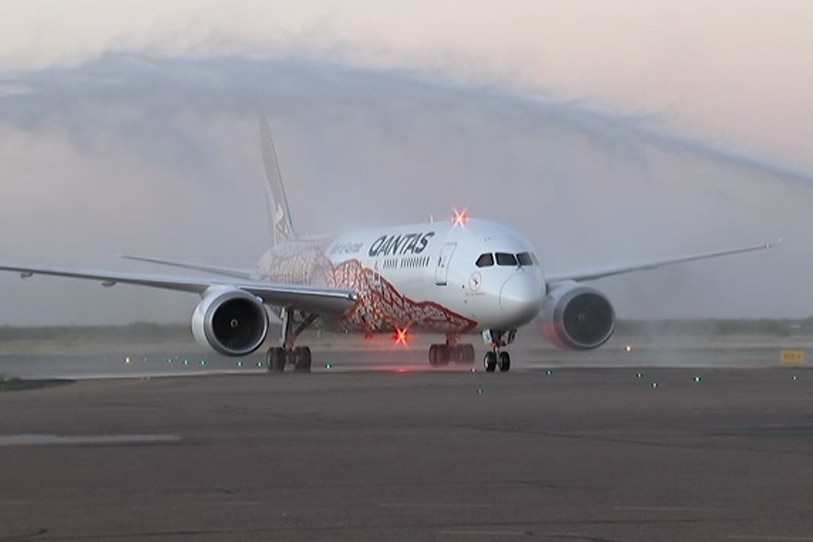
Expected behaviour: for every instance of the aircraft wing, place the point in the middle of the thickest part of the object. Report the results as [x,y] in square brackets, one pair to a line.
[307,298]
[618,269]
[244,274]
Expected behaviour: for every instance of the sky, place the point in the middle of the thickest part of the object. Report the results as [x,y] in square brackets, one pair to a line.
[605,131]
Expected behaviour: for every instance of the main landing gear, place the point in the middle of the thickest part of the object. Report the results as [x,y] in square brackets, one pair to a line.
[441,354]
[300,357]
[498,358]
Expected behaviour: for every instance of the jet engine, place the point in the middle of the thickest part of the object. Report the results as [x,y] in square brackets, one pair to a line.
[576,317]
[230,321]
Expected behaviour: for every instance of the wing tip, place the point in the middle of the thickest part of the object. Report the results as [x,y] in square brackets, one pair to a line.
[773,243]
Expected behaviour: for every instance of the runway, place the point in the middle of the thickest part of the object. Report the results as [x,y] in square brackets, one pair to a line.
[367,450]
[532,354]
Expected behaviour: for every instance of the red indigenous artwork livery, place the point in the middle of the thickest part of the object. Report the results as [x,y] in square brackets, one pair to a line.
[381,307]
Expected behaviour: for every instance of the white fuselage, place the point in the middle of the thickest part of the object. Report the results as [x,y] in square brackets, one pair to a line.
[438,277]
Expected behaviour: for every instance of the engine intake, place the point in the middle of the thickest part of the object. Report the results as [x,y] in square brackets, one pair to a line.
[576,317]
[230,321]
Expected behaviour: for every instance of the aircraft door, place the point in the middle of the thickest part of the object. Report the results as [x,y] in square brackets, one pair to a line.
[376,275]
[442,270]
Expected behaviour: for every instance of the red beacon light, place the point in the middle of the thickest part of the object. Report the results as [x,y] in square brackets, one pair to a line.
[460,218]
[401,336]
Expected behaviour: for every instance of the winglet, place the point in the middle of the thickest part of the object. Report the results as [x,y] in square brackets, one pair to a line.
[282,228]
[774,244]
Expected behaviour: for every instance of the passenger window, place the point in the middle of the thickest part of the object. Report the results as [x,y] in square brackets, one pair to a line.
[503,258]
[485,260]
[524,258]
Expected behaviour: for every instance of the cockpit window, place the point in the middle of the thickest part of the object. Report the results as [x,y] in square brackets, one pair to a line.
[504,258]
[507,259]
[524,258]
[485,260]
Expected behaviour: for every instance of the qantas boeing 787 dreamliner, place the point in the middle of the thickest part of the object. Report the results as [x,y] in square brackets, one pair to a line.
[452,278]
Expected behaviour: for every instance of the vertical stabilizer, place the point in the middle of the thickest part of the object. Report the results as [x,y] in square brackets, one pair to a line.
[282,228]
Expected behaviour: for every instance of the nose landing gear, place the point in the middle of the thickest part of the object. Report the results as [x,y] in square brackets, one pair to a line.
[492,360]
[497,357]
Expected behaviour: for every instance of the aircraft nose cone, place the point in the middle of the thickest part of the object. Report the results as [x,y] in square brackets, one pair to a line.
[521,297]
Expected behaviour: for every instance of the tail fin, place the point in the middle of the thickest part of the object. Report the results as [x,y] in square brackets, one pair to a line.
[282,228]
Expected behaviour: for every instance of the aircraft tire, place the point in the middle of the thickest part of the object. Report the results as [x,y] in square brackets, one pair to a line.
[302,359]
[443,354]
[464,354]
[275,359]
[490,361]
[438,355]
[433,355]
[505,362]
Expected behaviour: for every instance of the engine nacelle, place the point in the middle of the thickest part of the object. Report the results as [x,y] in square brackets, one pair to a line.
[576,317]
[230,321]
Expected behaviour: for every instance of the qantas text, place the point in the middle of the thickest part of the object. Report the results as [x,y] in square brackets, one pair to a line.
[409,243]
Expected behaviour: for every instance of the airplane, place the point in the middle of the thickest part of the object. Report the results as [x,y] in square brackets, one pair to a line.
[455,278]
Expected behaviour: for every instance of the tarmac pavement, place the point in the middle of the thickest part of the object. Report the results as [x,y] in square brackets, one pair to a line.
[395,451]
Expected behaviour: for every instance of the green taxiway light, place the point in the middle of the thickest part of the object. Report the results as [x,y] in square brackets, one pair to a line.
[654,384]
[639,375]
[328,365]
[698,378]
[549,372]
[239,363]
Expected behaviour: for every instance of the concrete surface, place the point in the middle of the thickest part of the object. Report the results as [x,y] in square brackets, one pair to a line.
[380,448]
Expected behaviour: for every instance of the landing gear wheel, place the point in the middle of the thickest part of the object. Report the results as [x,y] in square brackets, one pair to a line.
[490,361]
[302,359]
[275,359]
[299,356]
[438,355]
[433,355]
[505,362]
[462,354]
